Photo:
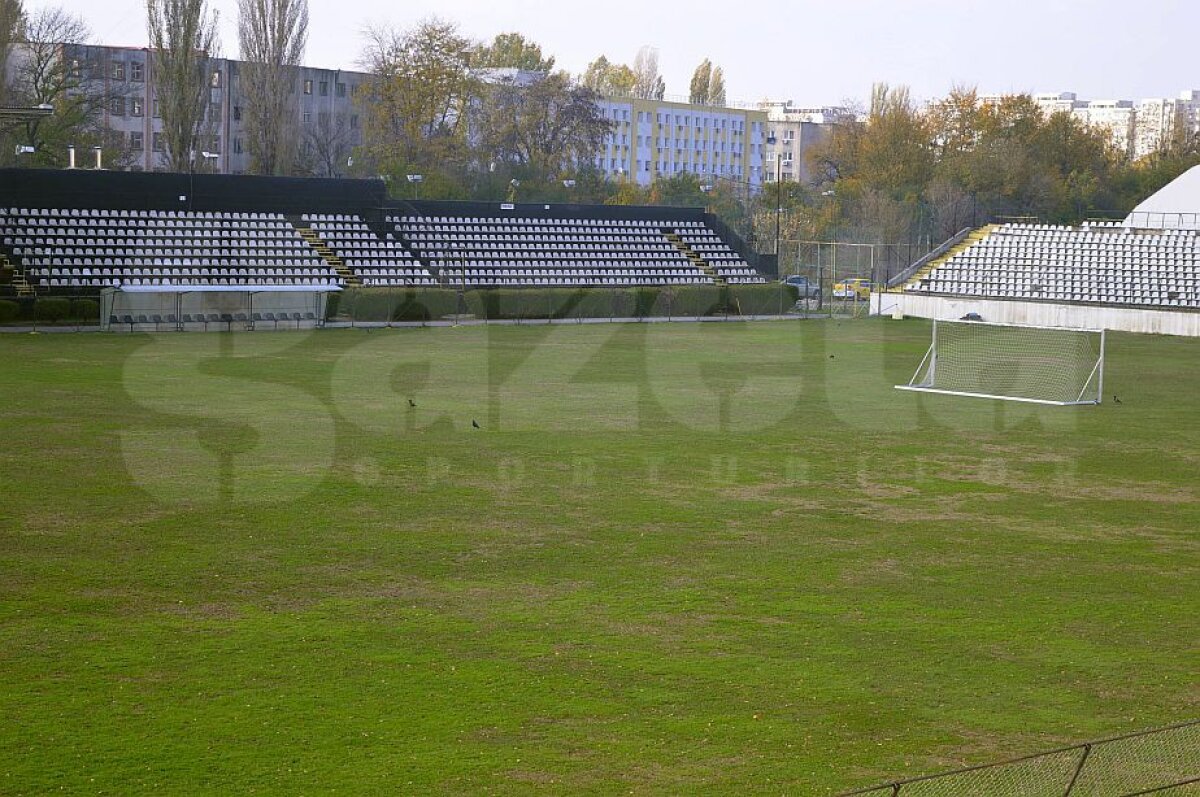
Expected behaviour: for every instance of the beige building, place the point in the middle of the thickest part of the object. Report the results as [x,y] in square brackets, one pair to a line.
[792,132]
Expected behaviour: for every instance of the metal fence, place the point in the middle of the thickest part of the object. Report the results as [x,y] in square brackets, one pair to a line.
[1163,761]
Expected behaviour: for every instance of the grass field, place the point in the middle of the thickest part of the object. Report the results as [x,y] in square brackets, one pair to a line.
[718,558]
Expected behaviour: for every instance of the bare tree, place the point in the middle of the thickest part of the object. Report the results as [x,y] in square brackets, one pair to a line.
[51,65]
[183,38]
[649,84]
[272,35]
[325,146]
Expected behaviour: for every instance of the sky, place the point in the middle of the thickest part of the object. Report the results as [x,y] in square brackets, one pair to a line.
[813,52]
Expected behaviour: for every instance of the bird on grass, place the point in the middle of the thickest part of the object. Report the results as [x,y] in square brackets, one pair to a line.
[412,403]
[475,424]
[1117,400]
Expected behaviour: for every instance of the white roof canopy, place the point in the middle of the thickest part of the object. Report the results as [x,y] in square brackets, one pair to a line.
[1176,206]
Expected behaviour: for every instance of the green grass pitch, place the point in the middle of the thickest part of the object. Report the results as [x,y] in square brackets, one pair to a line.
[709,558]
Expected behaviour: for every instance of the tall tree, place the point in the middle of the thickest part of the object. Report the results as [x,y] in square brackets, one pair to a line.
[415,108]
[12,16]
[648,83]
[513,51]
[701,80]
[716,88]
[272,35]
[545,130]
[183,40]
[325,146]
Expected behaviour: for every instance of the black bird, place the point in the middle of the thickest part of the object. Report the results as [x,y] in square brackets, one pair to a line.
[831,357]
[475,424]
[1116,400]
[412,403]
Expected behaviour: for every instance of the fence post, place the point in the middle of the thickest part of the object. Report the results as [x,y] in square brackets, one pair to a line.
[1087,749]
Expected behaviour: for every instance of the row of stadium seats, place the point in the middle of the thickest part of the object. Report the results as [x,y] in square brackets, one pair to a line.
[1092,264]
[570,251]
[99,248]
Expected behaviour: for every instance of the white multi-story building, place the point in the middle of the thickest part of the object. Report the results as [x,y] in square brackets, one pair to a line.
[1138,129]
[659,138]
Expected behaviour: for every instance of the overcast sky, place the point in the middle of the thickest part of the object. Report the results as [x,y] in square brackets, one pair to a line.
[810,51]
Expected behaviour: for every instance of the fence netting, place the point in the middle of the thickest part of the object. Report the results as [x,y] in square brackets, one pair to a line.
[1164,761]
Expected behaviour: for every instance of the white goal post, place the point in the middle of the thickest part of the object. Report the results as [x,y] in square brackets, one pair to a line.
[1043,365]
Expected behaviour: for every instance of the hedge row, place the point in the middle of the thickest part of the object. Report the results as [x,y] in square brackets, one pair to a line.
[49,309]
[428,304]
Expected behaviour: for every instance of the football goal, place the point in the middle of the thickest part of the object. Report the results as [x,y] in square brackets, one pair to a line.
[1044,365]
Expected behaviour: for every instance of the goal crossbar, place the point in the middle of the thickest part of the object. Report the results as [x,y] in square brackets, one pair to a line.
[1008,362]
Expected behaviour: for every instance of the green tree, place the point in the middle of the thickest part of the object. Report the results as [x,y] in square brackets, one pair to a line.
[544,129]
[513,51]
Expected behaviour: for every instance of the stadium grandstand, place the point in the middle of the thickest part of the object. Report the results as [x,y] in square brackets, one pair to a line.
[1141,274]
[81,231]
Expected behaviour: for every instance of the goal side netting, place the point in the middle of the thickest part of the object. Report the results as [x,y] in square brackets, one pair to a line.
[1044,365]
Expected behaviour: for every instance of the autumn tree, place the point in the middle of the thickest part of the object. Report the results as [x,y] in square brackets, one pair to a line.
[701,80]
[272,35]
[606,78]
[183,40]
[708,85]
[416,106]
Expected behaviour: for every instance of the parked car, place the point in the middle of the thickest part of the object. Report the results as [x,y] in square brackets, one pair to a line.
[805,288]
[854,288]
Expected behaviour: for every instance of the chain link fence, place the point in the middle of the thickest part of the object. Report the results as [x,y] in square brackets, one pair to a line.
[1162,761]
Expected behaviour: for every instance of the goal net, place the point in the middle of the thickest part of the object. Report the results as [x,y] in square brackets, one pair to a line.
[1045,365]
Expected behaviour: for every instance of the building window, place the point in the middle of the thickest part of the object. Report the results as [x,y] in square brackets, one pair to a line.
[307,117]
[215,144]
[340,90]
[308,87]
[116,106]
[118,70]
[214,111]
[215,81]
[237,146]
[135,71]
[157,115]
[324,88]
[157,142]
[354,121]
[135,106]
[137,140]
[237,113]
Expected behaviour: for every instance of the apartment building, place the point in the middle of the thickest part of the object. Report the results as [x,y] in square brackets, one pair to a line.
[661,138]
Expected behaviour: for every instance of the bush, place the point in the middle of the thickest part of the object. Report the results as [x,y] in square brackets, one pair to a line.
[85,310]
[8,311]
[769,299]
[52,309]
[689,300]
